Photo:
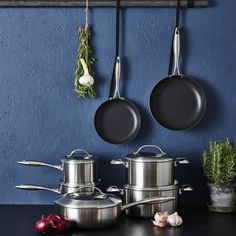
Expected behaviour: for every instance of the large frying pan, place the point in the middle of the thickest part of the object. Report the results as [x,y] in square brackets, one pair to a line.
[177,102]
[117,120]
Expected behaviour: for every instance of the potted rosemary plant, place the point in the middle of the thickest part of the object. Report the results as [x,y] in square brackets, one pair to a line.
[219,165]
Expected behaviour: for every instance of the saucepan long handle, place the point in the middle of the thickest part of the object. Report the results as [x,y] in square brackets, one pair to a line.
[37,187]
[147,200]
[38,163]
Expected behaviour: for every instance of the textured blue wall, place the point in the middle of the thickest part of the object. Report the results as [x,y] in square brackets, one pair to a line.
[41,118]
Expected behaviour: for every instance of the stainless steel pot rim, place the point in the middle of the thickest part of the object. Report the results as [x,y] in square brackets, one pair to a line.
[160,188]
[88,201]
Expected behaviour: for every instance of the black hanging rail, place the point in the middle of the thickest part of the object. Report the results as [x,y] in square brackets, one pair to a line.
[102,3]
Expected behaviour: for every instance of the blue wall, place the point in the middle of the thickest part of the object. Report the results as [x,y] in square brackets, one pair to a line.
[41,118]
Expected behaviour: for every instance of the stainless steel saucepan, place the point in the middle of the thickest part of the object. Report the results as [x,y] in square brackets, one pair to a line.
[149,169]
[79,167]
[96,210]
[133,194]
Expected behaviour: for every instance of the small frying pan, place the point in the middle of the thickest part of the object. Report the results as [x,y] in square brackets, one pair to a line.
[117,120]
[177,102]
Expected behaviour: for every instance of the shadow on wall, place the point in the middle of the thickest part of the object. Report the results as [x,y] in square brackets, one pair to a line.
[114,174]
[146,126]
[214,109]
[193,175]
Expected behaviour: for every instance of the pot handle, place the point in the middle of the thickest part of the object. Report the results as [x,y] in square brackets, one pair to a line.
[38,163]
[147,200]
[181,160]
[114,189]
[185,188]
[145,146]
[79,151]
[37,187]
[119,162]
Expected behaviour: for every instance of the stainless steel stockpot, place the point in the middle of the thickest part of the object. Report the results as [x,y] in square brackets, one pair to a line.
[64,188]
[148,169]
[132,194]
[79,167]
[95,210]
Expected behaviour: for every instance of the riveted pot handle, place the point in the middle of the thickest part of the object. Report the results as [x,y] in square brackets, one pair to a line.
[148,146]
[119,162]
[113,189]
[185,188]
[79,151]
[181,161]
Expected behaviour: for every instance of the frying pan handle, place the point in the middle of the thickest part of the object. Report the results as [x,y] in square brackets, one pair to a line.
[117,78]
[145,146]
[176,50]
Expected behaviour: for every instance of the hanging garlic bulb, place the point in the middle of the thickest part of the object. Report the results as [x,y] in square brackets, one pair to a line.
[174,220]
[86,79]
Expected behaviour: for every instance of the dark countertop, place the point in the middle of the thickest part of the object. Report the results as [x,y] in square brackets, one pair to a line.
[19,220]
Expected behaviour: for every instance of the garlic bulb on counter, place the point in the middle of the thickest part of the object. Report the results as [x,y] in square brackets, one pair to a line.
[174,220]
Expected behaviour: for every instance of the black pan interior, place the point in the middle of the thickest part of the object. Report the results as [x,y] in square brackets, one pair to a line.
[177,102]
[117,121]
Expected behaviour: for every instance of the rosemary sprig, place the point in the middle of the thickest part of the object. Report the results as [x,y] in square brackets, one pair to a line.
[85,52]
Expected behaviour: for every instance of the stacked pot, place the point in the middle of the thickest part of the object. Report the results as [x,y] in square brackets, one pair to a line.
[149,174]
[79,168]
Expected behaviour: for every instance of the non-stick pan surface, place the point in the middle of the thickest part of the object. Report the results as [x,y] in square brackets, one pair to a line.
[117,121]
[177,102]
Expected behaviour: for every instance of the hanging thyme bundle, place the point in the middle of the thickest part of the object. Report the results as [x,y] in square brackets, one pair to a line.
[84,82]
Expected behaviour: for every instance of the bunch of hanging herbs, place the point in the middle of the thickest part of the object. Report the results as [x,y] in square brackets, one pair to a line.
[84,82]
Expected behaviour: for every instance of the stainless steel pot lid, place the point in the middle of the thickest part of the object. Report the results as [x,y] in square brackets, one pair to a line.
[79,156]
[139,156]
[96,200]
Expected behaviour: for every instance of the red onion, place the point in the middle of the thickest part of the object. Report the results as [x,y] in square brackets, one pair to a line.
[54,218]
[43,225]
[63,225]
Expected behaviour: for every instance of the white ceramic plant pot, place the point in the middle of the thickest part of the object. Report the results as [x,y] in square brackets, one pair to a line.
[222,196]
